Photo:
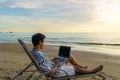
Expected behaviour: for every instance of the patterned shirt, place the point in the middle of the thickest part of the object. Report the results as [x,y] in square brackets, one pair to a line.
[43,61]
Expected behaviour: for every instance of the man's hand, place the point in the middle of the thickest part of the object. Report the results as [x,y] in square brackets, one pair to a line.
[57,63]
[52,73]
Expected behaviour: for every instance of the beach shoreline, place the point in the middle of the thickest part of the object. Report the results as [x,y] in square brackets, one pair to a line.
[13,58]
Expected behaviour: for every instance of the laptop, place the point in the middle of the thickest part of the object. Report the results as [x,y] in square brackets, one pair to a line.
[64,53]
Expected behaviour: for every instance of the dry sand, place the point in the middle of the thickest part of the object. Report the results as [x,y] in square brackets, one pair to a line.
[13,58]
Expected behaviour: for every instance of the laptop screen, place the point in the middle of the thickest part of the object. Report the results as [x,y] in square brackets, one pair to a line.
[64,51]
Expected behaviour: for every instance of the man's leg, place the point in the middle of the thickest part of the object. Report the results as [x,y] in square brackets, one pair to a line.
[81,69]
[74,62]
[87,71]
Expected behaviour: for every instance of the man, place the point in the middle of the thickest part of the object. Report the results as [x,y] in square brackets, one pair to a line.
[49,66]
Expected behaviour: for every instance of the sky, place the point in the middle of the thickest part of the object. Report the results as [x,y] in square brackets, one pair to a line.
[60,16]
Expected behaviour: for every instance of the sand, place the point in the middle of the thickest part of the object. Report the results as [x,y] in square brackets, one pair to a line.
[13,59]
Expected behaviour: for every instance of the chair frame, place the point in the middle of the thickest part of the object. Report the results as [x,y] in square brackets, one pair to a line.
[38,69]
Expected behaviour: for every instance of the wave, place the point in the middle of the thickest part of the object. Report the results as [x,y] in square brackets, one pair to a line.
[52,38]
[84,43]
[80,39]
[97,44]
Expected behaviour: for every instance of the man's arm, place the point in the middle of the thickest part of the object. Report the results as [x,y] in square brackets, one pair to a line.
[57,63]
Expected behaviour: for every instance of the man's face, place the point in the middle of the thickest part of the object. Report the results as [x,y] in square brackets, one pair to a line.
[41,44]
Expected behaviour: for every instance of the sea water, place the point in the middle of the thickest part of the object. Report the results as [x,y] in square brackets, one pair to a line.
[108,43]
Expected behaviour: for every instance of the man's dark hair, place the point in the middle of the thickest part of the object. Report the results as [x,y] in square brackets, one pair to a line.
[37,37]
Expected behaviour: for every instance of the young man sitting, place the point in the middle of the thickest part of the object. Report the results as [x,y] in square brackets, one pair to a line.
[48,65]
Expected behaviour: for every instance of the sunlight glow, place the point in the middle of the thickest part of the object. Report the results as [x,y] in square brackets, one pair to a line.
[108,12]
[109,18]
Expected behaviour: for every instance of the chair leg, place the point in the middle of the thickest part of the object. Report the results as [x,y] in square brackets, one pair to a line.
[103,77]
[28,78]
[21,72]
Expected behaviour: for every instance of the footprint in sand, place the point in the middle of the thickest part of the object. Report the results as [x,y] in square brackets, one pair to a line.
[5,61]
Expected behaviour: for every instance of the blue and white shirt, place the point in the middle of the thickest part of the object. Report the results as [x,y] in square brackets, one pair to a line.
[42,60]
[47,64]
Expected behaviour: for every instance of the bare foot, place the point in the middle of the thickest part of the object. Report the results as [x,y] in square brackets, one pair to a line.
[99,68]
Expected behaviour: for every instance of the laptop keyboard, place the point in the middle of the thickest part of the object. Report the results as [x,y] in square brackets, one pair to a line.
[62,60]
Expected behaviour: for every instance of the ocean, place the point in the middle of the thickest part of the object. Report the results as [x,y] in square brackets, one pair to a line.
[106,43]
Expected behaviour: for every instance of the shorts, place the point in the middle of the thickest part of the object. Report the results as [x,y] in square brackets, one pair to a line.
[68,69]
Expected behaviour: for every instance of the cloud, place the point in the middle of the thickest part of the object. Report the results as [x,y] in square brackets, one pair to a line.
[54,14]
[46,4]
[28,4]
[30,25]
[76,15]
[3,1]
[68,9]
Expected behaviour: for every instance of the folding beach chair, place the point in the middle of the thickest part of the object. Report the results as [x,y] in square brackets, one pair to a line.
[20,75]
